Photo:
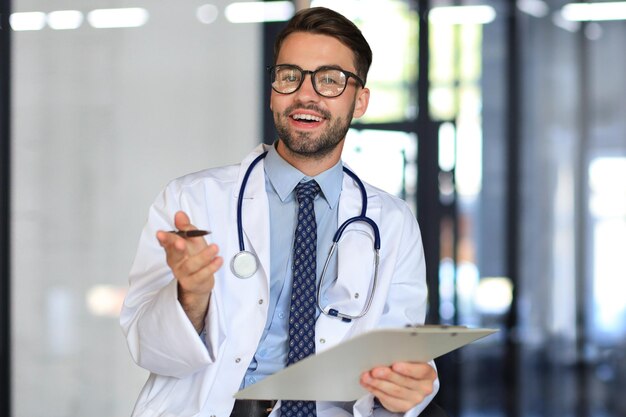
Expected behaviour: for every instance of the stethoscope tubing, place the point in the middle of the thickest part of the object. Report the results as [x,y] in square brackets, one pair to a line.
[362,217]
[347,318]
[244,183]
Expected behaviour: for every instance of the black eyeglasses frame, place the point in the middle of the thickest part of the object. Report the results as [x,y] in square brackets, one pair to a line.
[348,75]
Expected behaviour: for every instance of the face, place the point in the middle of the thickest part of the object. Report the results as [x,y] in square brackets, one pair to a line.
[310,125]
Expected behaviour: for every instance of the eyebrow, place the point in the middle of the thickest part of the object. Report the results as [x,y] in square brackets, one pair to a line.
[330,66]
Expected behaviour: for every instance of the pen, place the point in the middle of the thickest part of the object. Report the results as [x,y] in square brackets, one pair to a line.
[189,233]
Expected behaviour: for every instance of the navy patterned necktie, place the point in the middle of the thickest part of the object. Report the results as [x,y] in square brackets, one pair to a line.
[302,309]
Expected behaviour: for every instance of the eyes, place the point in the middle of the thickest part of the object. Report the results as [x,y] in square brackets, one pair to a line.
[290,76]
[328,76]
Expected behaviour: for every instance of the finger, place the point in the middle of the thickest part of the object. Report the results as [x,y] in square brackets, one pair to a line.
[396,390]
[193,264]
[390,402]
[415,370]
[407,374]
[175,246]
[384,379]
[208,270]
[202,280]
[182,222]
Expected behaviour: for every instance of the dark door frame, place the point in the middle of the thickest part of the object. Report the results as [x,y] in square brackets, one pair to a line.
[5,209]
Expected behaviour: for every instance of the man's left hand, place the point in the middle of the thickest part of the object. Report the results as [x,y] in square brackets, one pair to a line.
[400,386]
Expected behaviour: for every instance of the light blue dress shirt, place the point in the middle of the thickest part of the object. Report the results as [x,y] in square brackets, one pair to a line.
[280,180]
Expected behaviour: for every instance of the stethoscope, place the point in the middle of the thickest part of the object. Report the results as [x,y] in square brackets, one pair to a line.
[245,263]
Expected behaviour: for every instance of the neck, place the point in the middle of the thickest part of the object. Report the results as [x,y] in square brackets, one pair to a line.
[310,165]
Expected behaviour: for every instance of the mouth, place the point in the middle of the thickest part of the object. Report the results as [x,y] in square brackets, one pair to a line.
[306,118]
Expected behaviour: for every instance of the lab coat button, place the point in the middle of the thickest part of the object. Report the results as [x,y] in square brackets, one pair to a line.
[238,360]
[322,340]
[261,301]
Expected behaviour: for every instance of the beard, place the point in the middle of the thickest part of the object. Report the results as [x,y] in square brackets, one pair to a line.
[305,143]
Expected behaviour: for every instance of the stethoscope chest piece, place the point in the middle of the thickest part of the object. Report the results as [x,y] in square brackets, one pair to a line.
[244,264]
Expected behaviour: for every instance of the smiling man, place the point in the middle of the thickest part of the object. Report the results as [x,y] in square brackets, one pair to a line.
[204,329]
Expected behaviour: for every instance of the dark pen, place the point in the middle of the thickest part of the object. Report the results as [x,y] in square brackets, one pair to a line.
[189,233]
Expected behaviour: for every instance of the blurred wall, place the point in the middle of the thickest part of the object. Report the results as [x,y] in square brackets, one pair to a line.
[102,119]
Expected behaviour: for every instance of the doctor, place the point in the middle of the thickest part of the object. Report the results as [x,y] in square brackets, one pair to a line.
[202,331]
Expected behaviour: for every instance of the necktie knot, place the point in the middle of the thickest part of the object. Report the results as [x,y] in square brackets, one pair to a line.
[307,190]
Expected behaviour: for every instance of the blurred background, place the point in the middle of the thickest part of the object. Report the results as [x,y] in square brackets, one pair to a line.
[501,122]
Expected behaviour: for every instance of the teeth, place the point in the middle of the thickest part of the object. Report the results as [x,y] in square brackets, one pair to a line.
[307,117]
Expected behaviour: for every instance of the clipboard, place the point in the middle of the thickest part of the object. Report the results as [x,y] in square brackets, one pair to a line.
[333,375]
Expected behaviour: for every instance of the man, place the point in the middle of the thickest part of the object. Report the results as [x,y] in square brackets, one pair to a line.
[204,332]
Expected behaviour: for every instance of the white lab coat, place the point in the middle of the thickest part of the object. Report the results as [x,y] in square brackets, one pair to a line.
[191,377]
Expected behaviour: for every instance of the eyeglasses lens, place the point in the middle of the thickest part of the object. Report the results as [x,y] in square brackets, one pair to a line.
[330,82]
[286,79]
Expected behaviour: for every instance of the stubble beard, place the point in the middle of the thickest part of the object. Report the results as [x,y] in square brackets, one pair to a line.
[304,143]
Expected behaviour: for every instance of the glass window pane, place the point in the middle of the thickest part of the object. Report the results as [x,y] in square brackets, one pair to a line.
[392,34]
[385,159]
[101,120]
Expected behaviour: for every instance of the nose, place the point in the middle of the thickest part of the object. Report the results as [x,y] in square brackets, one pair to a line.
[306,92]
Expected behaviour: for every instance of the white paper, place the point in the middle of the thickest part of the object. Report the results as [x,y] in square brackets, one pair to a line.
[333,375]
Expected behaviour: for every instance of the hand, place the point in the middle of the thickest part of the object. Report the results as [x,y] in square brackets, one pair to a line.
[400,386]
[193,263]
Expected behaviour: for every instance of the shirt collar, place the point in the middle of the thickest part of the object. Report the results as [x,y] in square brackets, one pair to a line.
[284,177]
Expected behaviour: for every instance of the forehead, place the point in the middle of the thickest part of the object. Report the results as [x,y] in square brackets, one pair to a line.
[310,51]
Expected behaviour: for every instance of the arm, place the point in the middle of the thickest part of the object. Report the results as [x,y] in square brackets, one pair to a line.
[193,264]
[160,317]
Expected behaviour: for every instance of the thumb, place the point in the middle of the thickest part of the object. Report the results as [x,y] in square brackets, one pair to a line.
[181,221]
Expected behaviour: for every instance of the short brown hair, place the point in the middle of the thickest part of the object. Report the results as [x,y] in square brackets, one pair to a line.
[323,21]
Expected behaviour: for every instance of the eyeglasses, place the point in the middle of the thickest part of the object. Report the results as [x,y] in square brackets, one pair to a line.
[327,81]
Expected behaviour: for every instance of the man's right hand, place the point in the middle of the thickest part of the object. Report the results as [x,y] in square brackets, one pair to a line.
[194,264]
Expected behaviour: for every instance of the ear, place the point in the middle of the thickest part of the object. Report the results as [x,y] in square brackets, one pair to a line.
[361,102]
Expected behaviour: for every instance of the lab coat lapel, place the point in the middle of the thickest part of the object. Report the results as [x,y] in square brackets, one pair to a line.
[255,211]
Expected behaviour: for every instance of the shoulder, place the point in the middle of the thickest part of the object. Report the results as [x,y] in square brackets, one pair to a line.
[220,177]
[212,181]
[388,201]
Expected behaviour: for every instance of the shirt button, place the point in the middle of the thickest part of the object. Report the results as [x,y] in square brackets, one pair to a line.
[281,315]
[252,380]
